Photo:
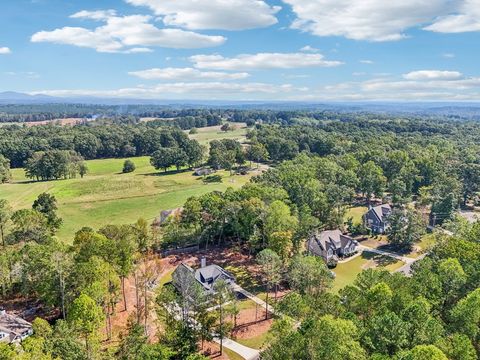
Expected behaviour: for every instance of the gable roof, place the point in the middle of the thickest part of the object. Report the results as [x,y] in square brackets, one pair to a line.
[329,239]
[13,325]
[205,276]
[381,211]
[208,275]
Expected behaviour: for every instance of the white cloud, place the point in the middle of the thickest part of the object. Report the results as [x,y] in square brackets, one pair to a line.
[380,20]
[186,74]
[417,85]
[367,62]
[199,90]
[26,74]
[465,19]
[94,15]
[124,34]
[433,75]
[309,48]
[5,51]
[262,61]
[376,20]
[448,55]
[404,87]
[213,14]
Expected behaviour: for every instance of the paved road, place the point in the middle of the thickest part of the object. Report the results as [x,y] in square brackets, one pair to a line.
[447,232]
[405,259]
[252,297]
[407,268]
[243,351]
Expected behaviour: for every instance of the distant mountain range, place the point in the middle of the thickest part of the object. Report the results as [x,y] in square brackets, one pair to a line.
[468,109]
[9,97]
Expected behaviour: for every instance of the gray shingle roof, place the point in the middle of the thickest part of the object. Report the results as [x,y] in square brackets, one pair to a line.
[206,276]
[13,325]
[329,239]
[382,211]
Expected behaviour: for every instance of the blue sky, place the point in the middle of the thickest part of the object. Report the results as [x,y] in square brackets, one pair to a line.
[314,50]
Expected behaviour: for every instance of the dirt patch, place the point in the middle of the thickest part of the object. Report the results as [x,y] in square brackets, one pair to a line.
[375,242]
[377,260]
[212,350]
[63,122]
[161,267]
[251,323]
[29,309]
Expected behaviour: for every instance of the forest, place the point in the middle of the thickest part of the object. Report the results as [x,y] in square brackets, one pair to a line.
[427,169]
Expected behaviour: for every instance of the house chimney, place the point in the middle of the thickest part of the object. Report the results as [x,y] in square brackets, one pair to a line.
[203,262]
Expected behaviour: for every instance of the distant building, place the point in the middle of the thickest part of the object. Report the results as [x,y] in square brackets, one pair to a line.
[376,218]
[203,171]
[331,245]
[206,276]
[13,329]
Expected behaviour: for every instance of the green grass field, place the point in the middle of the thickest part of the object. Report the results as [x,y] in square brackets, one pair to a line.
[348,271]
[232,355]
[256,342]
[356,213]
[207,134]
[106,196]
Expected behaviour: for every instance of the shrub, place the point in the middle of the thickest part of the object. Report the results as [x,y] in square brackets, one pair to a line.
[128,166]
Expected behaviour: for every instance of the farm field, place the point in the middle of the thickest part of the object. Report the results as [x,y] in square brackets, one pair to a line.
[207,134]
[106,196]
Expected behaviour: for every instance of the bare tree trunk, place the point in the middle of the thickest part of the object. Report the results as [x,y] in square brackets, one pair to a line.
[109,325]
[146,307]
[266,305]
[87,346]
[137,297]
[221,330]
[3,236]
[124,295]
[62,294]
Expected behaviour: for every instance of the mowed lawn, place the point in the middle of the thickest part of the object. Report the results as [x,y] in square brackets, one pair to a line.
[106,196]
[356,213]
[346,273]
[207,134]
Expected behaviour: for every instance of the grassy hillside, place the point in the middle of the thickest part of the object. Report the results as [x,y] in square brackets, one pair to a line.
[106,196]
[207,134]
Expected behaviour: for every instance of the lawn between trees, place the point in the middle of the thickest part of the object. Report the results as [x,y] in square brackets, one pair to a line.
[106,196]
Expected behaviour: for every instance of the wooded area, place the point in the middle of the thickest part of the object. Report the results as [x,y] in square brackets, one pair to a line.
[427,169]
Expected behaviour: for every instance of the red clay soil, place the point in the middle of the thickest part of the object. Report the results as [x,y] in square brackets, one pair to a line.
[214,255]
[251,323]
[29,309]
[120,319]
[212,350]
